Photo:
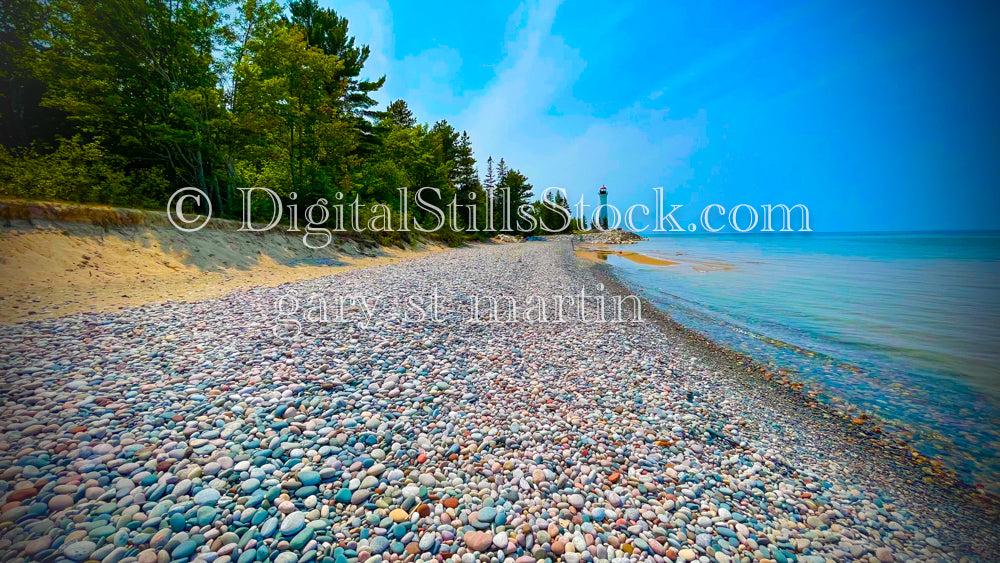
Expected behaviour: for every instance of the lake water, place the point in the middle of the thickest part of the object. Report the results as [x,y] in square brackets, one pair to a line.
[903,326]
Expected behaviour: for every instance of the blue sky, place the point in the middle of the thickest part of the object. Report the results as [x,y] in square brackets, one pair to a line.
[876,115]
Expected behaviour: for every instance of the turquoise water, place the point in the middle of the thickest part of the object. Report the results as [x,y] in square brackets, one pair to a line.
[903,326]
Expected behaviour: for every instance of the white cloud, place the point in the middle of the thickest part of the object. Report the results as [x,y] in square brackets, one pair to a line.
[632,152]
[370,21]
[512,117]
[637,149]
[538,65]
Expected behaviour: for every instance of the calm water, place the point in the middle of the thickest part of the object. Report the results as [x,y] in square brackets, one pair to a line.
[904,326]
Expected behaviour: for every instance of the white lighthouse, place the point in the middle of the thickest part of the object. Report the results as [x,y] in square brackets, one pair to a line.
[604,207]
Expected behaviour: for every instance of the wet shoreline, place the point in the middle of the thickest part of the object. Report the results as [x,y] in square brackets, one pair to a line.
[912,476]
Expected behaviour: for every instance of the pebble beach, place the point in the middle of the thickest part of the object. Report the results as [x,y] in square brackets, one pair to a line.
[227,430]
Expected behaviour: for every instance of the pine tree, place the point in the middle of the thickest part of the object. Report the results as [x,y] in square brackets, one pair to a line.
[327,31]
[552,217]
[398,114]
[490,182]
[467,176]
[519,193]
[501,205]
[489,197]
[447,143]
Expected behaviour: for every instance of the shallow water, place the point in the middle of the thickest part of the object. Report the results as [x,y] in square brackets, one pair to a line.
[905,326]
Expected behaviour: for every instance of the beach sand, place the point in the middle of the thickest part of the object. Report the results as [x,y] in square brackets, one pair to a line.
[221,431]
[601,255]
[51,272]
[598,253]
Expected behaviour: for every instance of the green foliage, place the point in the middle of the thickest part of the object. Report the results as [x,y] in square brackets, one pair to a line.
[550,216]
[398,115]
[76,171]
[514,187]
[125,101]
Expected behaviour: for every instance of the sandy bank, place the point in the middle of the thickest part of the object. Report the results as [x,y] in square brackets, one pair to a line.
[600,256]
[598,253]
[62,259]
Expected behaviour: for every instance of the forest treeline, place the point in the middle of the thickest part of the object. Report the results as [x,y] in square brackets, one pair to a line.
[123,102]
